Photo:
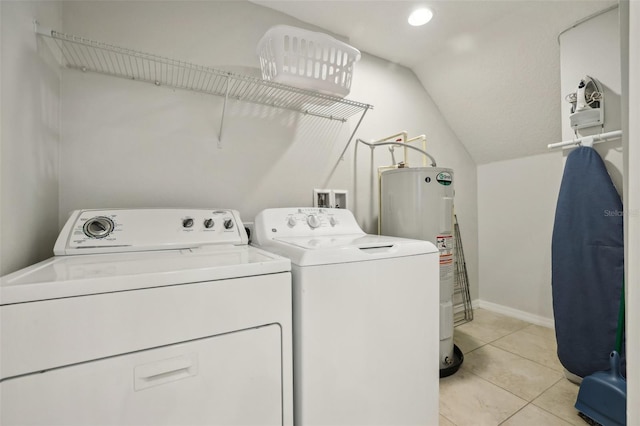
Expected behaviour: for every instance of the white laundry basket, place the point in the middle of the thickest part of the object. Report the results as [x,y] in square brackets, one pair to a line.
[307,60]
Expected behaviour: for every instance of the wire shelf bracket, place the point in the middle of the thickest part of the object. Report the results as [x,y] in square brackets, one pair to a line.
[92,56]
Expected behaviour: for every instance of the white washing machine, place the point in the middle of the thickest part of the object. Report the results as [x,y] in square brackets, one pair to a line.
[365,319]
[148,317]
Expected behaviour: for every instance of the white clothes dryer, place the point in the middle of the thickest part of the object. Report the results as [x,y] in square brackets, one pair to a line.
[365,319]
[148,317]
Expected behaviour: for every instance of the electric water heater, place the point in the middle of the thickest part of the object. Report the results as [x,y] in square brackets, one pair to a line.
[417,202]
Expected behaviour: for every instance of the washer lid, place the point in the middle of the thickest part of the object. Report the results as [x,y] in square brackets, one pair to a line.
[69,276]
[323,250]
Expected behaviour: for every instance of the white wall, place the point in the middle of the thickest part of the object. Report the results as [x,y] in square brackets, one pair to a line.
[30,126]
[517,198]
[599,37]
[497,82]
[131,144]
[516,207]
[128,144]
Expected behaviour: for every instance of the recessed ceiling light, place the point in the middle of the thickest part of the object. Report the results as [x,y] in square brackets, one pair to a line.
[420,17]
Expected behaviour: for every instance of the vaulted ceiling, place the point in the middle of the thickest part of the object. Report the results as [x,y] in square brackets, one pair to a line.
[492,67]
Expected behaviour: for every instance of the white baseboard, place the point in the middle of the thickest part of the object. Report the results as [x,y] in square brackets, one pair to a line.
[459,308]
[514,313]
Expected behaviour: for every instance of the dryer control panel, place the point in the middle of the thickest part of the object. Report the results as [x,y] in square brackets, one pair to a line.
[123,230]
[304,221]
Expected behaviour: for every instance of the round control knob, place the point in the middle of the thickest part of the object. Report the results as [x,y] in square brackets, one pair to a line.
[228,224]
[291,221]
[208,223]
[313,221]
[187,223]
[98,227]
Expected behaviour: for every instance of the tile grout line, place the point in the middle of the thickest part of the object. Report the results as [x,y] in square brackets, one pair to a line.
[528,359]
[499,387]
[532,403]
[520,356]
[448,419]
[492,344]
[531,334]
[517,411]
[544,409]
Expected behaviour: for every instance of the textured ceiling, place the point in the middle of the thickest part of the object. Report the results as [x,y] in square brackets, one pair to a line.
[492,67]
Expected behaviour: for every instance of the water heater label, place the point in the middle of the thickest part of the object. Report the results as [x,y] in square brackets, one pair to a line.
[445,246]
[446,268]
[444,178]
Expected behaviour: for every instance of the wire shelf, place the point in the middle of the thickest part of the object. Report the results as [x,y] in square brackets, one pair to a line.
[92,56]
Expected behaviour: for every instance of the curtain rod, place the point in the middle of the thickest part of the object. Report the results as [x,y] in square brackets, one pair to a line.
[588,140]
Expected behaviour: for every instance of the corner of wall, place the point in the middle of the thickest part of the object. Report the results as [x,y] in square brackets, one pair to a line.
[30,136]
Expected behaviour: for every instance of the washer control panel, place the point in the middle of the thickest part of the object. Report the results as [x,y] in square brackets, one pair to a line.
[302,222]
[120,230]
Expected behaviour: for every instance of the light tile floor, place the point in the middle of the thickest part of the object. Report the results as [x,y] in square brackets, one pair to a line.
[510,376]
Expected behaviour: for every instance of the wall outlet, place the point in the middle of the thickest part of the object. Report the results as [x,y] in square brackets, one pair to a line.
[330,198]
